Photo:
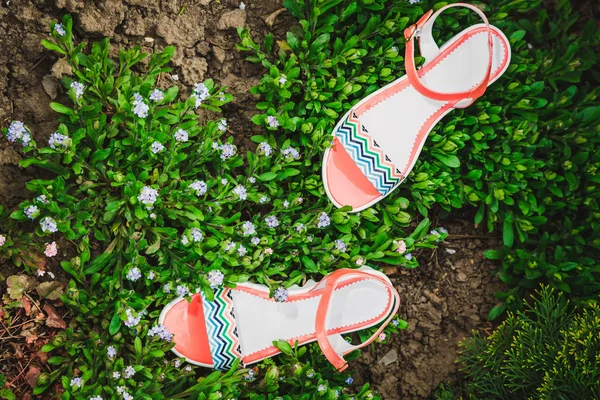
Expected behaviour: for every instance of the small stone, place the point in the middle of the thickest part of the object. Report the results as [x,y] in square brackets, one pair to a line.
[219,54]
[389,358]
[50,85]
[461,277]
[203,48]
[61,67]
[232,19]
[432,297]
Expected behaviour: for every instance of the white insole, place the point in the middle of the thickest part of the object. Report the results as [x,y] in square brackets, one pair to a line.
[260,322]
[395,123]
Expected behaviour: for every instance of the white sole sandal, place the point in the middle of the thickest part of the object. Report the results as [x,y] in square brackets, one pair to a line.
[243,322]
[377,142]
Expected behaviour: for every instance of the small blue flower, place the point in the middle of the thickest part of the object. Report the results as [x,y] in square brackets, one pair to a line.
[32,211]
[111,351]
[140,109]
[18,131]
[250,375]
[265,148]
[58,140]
[240,191]
[272,221]
[182,290]
[255,241]
[76,382]
[60,30]
[48,225]
[78,88]
[215,278]
[248,228]
[148,196]
[349,381]
[196,235]
[272,121]
[181,135]
[157,147]
[290,151]
[322,388]
[324,220]
[280,295]
[134,274]
[408,256]
[129,372]
[241,251]
[340,245]
[227,151]
[199,187]
[157,95]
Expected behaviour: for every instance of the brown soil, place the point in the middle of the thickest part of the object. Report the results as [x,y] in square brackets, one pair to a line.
[446,297]
[443,299]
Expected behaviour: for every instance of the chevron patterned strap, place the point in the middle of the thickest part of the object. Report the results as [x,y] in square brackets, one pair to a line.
[221,329]
[367,155]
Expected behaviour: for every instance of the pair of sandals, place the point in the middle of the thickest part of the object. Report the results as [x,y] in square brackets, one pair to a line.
[368,160]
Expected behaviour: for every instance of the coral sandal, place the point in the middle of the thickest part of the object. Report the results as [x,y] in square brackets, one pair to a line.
[243,322]
[377,143]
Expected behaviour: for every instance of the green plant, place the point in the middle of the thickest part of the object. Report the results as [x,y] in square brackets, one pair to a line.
[20,247]
[148,202]
[5,393]
[546,351]
[524,155]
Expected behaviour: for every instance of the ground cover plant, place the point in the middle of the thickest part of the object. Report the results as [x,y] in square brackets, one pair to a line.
[158,206]
[524,155]
[151,204]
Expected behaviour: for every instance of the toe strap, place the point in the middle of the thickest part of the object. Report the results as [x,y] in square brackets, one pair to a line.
[368,155]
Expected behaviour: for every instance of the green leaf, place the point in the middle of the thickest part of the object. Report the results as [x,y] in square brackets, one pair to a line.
[154,247]
[496,311]
[493,254]
[309,264]
[294,8]
[284,346]
[53,46]
[507,231]
[59,108]
[267,176]
[137,345]
[115,324]
[448,159]
[101,154]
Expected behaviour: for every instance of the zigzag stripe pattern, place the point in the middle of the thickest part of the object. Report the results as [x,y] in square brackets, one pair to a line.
[369,157]
[221,329]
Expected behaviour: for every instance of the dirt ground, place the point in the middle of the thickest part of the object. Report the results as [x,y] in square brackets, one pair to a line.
[447,296]
[443,299]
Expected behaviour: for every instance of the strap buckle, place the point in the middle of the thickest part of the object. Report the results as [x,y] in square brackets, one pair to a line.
[414,30]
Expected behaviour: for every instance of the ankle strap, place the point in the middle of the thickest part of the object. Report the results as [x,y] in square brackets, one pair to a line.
[334,346]
[429,50]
